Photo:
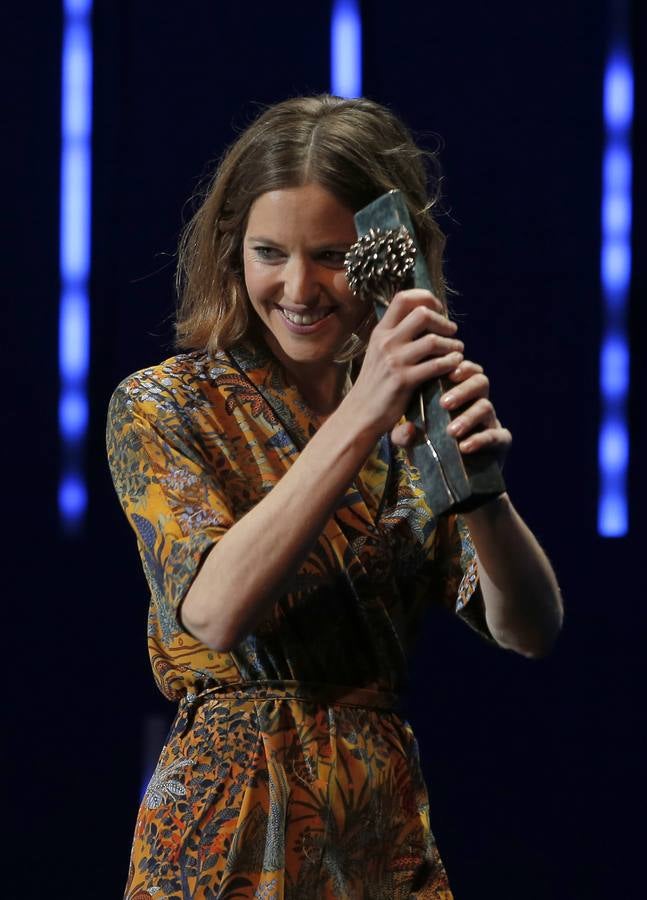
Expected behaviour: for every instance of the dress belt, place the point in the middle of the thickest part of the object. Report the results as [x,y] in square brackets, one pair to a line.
[313,692]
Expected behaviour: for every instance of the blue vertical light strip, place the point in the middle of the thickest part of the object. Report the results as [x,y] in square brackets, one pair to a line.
[74,258]
[615,275]
[346,49]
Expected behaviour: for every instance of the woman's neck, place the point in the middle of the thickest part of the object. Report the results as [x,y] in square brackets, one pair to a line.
[322,385]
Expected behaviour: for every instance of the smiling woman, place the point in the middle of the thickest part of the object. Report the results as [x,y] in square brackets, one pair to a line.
[289,547]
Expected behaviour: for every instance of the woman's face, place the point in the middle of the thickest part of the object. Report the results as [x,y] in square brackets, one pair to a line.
[293,255]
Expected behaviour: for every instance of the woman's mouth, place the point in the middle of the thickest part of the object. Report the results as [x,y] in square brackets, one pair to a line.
[305,323]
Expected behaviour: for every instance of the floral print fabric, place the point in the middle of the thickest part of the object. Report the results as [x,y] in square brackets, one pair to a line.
[275,782]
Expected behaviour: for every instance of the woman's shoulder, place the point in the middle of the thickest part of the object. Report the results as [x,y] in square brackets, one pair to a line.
[182,382]
[185,372]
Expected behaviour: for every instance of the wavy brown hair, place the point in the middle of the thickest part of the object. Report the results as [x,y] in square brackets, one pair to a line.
[356,149]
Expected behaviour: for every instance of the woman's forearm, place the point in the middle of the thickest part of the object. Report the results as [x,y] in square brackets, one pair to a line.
[241,575]
[523,605]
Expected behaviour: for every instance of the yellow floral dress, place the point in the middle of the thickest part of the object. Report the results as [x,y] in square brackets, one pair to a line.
[287,772]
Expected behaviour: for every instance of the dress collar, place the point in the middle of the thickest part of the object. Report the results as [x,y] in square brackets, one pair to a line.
[263,370]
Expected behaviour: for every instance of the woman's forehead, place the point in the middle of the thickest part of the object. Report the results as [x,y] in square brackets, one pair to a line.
[309,209]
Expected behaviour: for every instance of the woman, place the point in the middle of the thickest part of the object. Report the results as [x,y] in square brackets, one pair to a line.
[287,542]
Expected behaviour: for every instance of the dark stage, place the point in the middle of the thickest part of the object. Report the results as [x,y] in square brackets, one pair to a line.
[534,767]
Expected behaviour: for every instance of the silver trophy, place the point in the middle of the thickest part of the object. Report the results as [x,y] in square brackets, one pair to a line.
[386,259]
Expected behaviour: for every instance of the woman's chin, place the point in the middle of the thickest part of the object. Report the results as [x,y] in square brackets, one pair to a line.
[302,352]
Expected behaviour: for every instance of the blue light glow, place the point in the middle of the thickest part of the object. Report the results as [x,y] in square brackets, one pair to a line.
[616,214]
[616,169]
[618,92]
[73,415]
[346,49]
[613,513]
[72,498]
[616,267]
[74,337]
[614,368]
[75,212]
[615,277]
[77,7]
[74,255]
[613,447]
[77,82]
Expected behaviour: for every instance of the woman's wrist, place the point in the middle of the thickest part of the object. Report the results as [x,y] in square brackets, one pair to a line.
[490,513]
[351,420]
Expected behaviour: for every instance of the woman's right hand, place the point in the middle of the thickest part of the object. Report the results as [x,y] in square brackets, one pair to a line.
[413,343]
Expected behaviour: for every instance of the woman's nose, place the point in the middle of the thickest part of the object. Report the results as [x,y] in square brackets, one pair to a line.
[300,284]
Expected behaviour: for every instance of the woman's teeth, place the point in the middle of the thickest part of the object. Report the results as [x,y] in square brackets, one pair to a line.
[305,318]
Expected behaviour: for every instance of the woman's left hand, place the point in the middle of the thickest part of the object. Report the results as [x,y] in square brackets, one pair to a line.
[476,426]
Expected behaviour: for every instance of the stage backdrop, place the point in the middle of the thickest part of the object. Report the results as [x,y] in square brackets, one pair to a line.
[532,766]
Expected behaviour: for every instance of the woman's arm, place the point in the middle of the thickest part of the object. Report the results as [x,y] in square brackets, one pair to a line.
[523,604]
[243,573]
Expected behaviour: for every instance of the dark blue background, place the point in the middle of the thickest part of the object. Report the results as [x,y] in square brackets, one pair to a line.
[533,767]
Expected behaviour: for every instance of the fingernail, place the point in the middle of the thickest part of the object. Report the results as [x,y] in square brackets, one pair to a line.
[454,427]
[447,400]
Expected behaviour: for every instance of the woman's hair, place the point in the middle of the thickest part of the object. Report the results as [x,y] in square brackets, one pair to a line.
[356,149]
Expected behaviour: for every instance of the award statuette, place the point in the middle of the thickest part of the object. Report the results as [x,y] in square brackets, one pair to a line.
[384,260]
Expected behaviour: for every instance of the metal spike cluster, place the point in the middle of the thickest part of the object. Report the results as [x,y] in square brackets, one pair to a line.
[380,263]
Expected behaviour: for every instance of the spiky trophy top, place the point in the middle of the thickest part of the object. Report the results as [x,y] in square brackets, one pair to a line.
[380,263]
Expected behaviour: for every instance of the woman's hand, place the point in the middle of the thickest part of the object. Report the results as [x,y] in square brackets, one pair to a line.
[475,425]
[413,343]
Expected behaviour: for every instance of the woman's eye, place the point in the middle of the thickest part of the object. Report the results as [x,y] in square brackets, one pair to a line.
[334,257]
[267,253]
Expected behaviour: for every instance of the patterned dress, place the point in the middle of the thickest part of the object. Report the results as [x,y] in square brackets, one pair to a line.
[287,772]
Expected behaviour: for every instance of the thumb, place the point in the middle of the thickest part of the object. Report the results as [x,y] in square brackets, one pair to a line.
[403,434]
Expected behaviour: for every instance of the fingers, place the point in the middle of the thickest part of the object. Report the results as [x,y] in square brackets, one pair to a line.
[479,415]
[405,302]
[403,434]
[466,369]
[414,340]
[494,440]
[475,424]
[420,321]
[435,367]
[429,345]
[471,384]
[415,331]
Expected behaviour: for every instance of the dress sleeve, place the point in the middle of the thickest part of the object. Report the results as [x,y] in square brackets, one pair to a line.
[455,573]
[167,484]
